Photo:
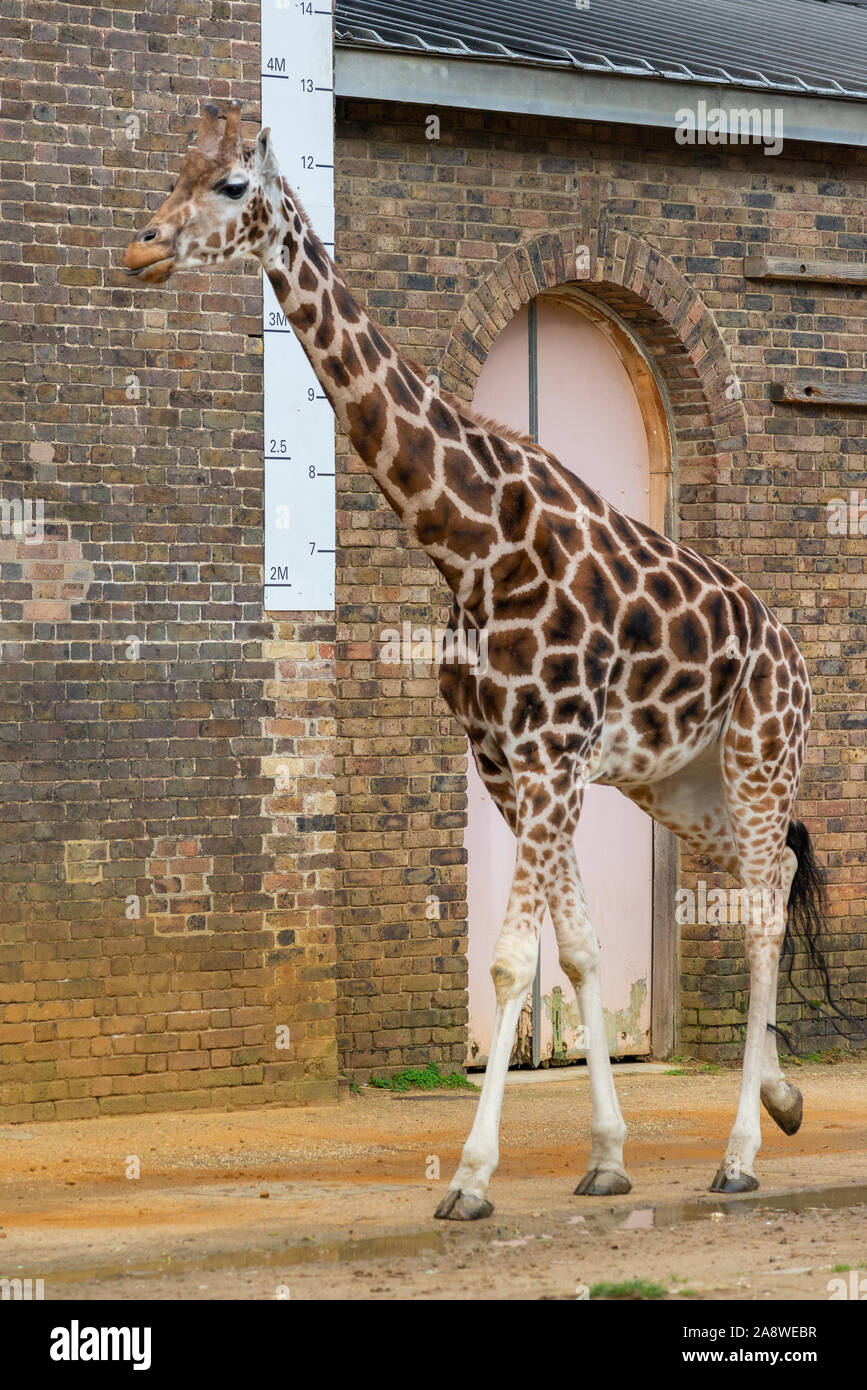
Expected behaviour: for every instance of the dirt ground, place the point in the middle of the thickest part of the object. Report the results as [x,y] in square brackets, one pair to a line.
[336,1202]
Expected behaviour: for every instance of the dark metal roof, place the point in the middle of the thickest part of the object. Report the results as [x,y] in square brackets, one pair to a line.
[809,47]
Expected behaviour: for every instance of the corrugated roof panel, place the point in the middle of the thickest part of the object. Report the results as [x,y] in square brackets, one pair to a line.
[806,46]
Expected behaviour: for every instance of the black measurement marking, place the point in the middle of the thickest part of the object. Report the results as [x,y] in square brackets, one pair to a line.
[324,166]
[277,458]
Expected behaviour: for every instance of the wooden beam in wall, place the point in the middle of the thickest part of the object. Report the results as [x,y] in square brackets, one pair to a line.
[825,272]
[819,393]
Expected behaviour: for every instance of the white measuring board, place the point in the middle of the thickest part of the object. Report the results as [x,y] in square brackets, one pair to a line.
[298,105]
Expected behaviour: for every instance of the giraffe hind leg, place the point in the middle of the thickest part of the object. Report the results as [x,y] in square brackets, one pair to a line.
[783,1101]
[760,786]
[694,806]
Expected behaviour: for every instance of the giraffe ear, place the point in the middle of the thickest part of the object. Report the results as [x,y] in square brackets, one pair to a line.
[208,137]
[231,145]
[265,158]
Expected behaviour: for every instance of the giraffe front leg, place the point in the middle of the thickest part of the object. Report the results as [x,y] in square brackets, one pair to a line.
[763,941]
[579,957]
[514,966]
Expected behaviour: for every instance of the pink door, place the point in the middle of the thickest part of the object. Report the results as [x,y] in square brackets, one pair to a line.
[590,418]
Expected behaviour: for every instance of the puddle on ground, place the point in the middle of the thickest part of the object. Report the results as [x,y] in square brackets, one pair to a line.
[433,1242]
[674,1213]
[304,1252]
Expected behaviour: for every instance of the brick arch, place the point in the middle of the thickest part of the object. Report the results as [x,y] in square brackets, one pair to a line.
[679,335]
[675,327]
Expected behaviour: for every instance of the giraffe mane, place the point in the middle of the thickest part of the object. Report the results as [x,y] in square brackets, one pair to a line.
[496,426]
[464,410]
[302,211]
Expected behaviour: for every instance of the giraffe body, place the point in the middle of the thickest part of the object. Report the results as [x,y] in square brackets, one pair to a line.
[614,655]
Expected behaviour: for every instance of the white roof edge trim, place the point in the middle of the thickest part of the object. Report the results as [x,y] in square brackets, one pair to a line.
[438,80]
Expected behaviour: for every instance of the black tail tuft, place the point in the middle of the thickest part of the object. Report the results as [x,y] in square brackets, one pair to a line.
[806,915]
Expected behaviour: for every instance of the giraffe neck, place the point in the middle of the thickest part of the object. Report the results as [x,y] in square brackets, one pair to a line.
[437,469]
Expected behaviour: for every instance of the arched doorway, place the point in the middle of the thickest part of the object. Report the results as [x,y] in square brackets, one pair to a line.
[568,372]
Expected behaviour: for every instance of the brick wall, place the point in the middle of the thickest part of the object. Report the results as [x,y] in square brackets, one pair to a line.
[444,239]
[166,773]
[215,824]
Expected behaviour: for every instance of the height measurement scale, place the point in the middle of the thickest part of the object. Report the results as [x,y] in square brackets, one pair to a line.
[298,105]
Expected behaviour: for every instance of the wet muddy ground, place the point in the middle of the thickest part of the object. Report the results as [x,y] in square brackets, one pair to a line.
[337,1201]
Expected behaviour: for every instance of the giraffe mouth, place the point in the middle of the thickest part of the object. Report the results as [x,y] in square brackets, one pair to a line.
[154,273]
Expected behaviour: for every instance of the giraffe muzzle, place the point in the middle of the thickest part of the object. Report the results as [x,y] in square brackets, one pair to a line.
[150,259]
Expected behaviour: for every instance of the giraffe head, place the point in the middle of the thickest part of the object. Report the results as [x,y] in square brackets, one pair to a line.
[219,208]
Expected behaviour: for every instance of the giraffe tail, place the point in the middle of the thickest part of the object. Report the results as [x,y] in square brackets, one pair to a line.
[807,908]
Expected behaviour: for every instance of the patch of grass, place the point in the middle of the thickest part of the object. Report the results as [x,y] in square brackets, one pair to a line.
[846,1053]
[691,1066]
[428,1078]
[830,1056]
[840,1269]
[688,1293]
[632,1289]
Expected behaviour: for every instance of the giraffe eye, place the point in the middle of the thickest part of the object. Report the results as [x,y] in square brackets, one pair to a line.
[233,190]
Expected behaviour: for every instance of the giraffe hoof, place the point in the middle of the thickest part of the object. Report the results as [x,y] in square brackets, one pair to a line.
[745,1183]
[790,1115]
[603,1182]
[463,1206]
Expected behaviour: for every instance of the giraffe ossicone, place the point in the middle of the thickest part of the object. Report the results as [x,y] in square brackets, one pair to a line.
[614,655]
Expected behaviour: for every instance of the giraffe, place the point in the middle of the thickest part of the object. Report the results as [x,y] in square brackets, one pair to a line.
[614,654]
